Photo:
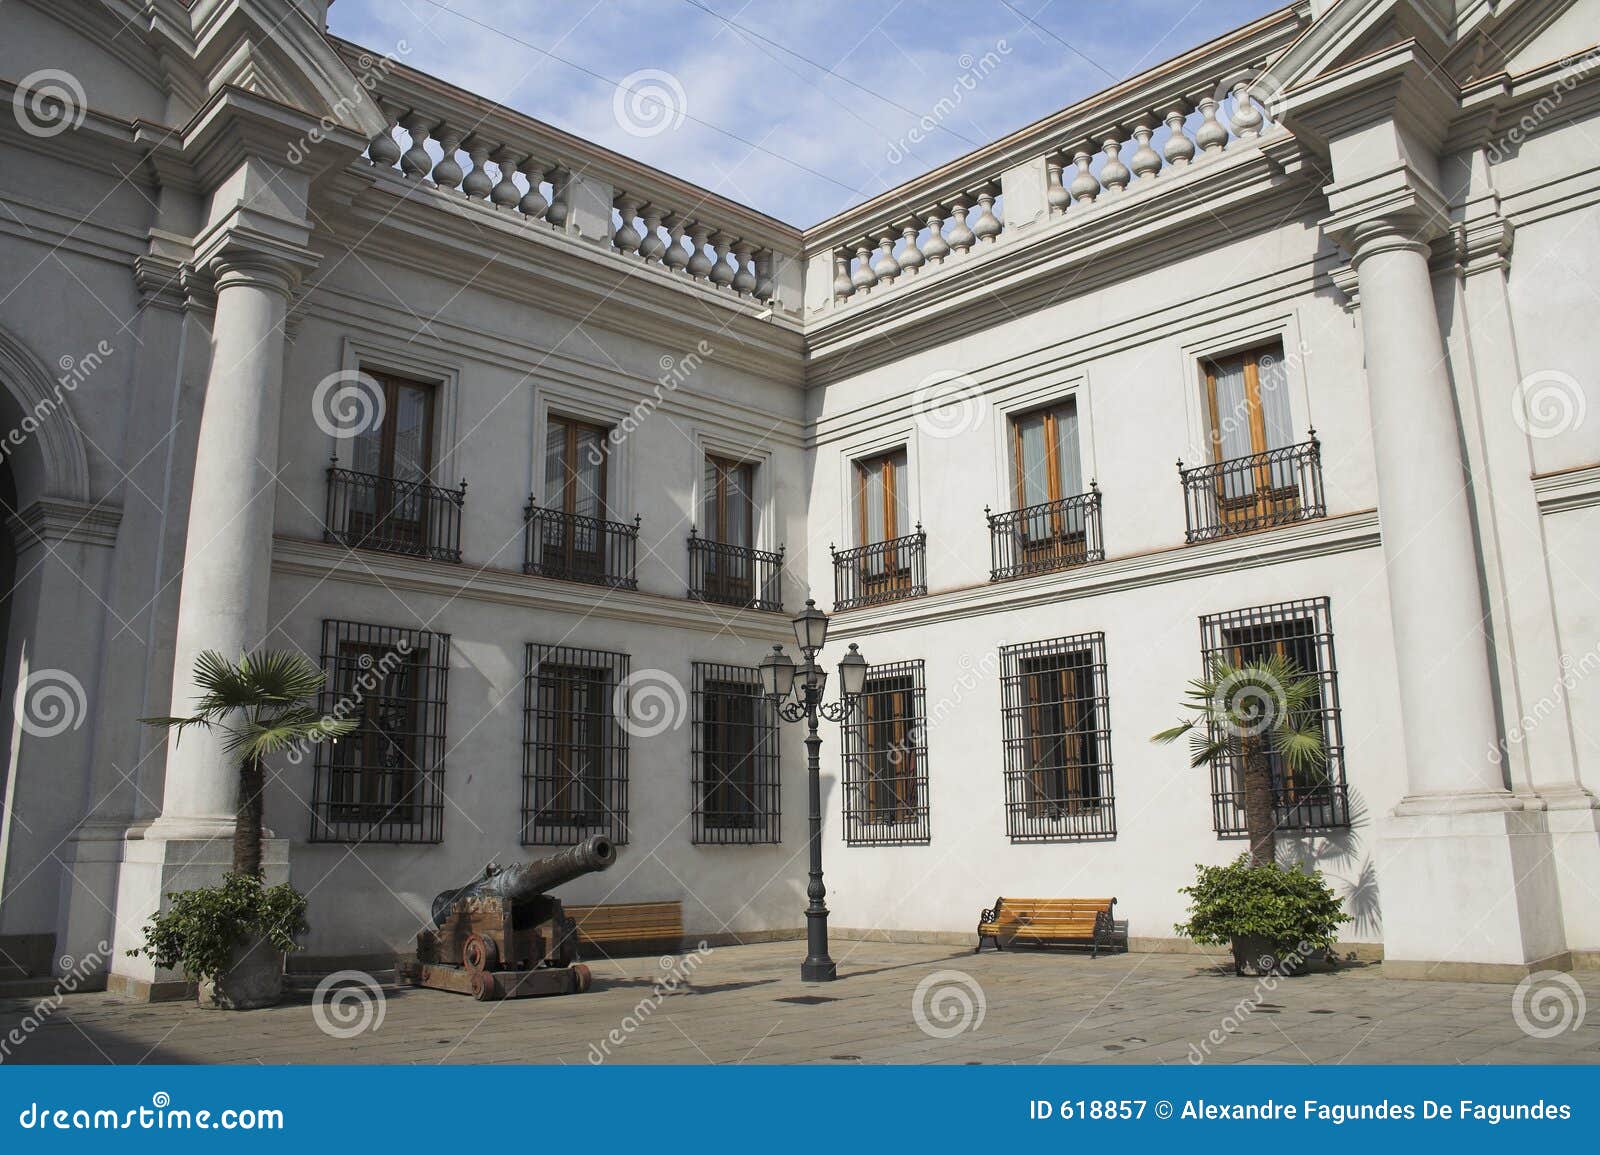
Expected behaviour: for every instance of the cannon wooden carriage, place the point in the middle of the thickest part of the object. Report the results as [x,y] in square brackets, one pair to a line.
[502,937]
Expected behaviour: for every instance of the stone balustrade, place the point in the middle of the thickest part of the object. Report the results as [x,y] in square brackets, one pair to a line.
[1079,170]
[528,171]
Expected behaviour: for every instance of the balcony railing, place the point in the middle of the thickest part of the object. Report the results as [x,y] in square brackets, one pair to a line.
[885,571]
[1047,537]
[575,548]
[367,511]
[735,575]
[1261,491]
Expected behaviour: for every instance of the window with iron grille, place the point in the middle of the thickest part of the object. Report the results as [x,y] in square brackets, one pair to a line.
[886,758]
[1057,737]
[1301,631]
[384,782]
[735,757]
[574,746]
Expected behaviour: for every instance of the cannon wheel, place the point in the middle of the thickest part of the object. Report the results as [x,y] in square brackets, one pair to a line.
[485,988]
[583,977]
[480,954]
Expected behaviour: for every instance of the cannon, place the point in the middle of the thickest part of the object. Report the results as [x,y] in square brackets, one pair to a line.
[502,936]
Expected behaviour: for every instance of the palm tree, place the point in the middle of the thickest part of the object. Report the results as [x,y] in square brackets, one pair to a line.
[1249,713]
[263,704]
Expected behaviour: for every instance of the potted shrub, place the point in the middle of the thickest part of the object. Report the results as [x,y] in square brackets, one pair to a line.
[231,939]
[1275,919]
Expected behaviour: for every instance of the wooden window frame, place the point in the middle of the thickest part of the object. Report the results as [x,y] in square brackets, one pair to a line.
[1056,538]
[1264,503]
[885,754]
[551,734]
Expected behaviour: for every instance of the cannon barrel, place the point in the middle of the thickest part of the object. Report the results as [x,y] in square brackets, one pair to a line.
[525,880]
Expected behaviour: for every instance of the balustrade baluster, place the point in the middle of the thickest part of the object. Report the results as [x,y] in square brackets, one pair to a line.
[864,278]
[1114,175]
[477,184]
[676,257]
[1211,136]
[1179,148]
[987,227]
[447,173]
[935,249]
[505,193]
[383,150]
[961,237]
[885,267]
[1055,193]
[699,265]
[560,191]
[722,271]
[1247,119]
[533,203]
[764,286]
[1084,187]
[843,286]
[744,278]
[627,238]
[415,161]
[651,247]
[1145,161]
[911,258]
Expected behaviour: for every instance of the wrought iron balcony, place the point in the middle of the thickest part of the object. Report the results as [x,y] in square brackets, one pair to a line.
[735,575]
[367,511]
[575,548]
[1042,538]
[885,571]
[1261,491]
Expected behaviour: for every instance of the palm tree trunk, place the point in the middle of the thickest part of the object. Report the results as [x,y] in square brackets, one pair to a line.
[1260,814]
[247,828]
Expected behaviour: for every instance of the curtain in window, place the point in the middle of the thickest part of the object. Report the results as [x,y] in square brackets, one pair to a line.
[1035,464]
[1068,456]
[1233,411]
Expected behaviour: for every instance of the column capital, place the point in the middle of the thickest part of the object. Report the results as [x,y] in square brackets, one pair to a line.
[1397,206]
[242,256]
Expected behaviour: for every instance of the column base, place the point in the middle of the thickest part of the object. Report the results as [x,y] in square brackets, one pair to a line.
[1574,826]
[818,971]
[1469,890]
[155,865]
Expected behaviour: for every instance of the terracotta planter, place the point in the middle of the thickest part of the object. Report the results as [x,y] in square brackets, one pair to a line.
[1257,956]
[255,979]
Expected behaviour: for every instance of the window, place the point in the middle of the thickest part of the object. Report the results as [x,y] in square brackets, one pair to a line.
[886,759]
[384,782]
[729,513]
[1057,738]
[882,509]
[1247,397]
[735,755]
[1046,474]
[1303,632]
[395,457]
[574,746]
[574,491]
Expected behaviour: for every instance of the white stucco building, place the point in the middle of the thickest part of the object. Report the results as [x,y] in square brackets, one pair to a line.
[270,298]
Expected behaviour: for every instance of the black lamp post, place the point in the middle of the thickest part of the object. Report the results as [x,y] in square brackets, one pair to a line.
[796,693]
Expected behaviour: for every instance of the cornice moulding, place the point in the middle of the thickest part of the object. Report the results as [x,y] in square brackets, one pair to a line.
[301,558]
[1570,489]
[1340,534]
[53,519]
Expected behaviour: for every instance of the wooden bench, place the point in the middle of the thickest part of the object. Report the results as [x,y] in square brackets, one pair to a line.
[631,924]
[1042,921]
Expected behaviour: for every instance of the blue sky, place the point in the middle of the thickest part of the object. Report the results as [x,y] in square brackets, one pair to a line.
[788,137]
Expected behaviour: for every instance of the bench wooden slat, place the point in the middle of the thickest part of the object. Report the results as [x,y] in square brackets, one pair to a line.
[641,922]
[1081,921]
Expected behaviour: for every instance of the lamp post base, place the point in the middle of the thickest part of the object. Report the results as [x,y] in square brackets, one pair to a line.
[818,970]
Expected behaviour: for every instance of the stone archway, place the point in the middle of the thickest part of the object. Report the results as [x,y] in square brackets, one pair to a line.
[45,441]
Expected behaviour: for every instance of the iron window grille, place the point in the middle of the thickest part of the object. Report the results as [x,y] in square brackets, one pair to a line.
[734,757]
[1303,632]
[885,756]
[574,746]
[1057,740]
[385,781]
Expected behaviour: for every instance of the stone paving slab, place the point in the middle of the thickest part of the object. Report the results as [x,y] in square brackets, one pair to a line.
[730,1007]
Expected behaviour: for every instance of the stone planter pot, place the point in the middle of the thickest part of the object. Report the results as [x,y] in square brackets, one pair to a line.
[1256,956]
[255,979]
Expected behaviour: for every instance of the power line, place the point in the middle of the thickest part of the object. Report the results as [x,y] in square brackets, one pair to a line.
[671,109]
[748,31]
[1071,48]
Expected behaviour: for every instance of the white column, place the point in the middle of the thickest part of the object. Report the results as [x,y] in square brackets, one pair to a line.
[228,555]
[1447,700]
